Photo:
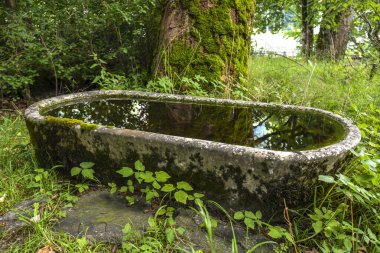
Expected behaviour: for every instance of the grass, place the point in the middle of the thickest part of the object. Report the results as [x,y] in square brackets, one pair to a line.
[322,84]
[342,218]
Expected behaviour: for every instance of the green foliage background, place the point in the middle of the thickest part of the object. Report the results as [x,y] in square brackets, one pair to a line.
[56,42]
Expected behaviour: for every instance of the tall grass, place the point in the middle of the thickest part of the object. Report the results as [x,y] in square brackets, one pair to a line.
[324,84]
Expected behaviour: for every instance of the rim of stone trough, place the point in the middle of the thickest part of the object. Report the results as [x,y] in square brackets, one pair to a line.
[350,141]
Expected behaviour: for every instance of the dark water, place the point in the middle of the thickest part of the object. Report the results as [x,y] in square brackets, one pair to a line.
[246,126]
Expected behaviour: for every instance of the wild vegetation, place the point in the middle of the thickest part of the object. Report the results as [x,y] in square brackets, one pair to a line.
[68,46]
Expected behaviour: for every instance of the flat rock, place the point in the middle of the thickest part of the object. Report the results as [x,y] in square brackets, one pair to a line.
[101,216]
[14,220]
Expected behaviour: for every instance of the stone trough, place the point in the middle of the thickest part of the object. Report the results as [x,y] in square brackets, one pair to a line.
[222,147]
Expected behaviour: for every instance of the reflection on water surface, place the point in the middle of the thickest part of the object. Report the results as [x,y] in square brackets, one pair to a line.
[248,126]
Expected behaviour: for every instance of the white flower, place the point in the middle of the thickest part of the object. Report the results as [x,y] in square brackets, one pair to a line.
[2,198]
[36,218]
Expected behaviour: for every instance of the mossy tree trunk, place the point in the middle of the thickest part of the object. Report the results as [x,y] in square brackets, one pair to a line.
[334,34]
[10,3]
[210,38]
[307,27]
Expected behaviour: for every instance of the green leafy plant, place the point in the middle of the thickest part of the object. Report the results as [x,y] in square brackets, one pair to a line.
[86,173]
[153,185]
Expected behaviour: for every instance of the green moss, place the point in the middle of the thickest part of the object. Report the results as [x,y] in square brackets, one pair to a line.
[71,123]
[217,44]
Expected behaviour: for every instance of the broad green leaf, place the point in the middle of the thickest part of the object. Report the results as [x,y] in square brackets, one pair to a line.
[184,186]
[147,176]
[87,165]
[131,189]
[123,189]
[198,195]
[318,226]
[239,216]
[181,196]
[162,176]
[126,172]
[259,215]
[38,178]
[131,200]
[139,166]
[152,222]
[249,214]
[181,230]
[168,188]
[113,187]
[127,229]
[88,173]
[150,195]
[156,185]
[249,223]
[275,232]
[170,235]
[75,171]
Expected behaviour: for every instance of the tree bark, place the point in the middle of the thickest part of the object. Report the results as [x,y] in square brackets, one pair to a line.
[10,3]
[332,41]
[307,27]
[209,38]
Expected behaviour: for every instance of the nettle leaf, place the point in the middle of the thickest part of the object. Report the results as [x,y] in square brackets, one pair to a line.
[275,232]
[249,223]
[185,186]
[131,189]
[131,200]
[139,166]
[87,165]
[259,215]
[181,230]
[156,185]
[170,235]
[147,177]
[123,189]
[126,172]
[327,179]
[318,226]
[113,187]
[162,176]
[75,171]
[239,216]
[181,196]
[127,229]
[198,195]
[249,214]
[150,195]
[88,173]
[168,188]
[152,222]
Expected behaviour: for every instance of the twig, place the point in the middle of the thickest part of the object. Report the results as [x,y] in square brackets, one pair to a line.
[287,218]
[52,63]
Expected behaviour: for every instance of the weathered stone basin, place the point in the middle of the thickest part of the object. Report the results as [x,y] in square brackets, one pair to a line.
[219,146]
